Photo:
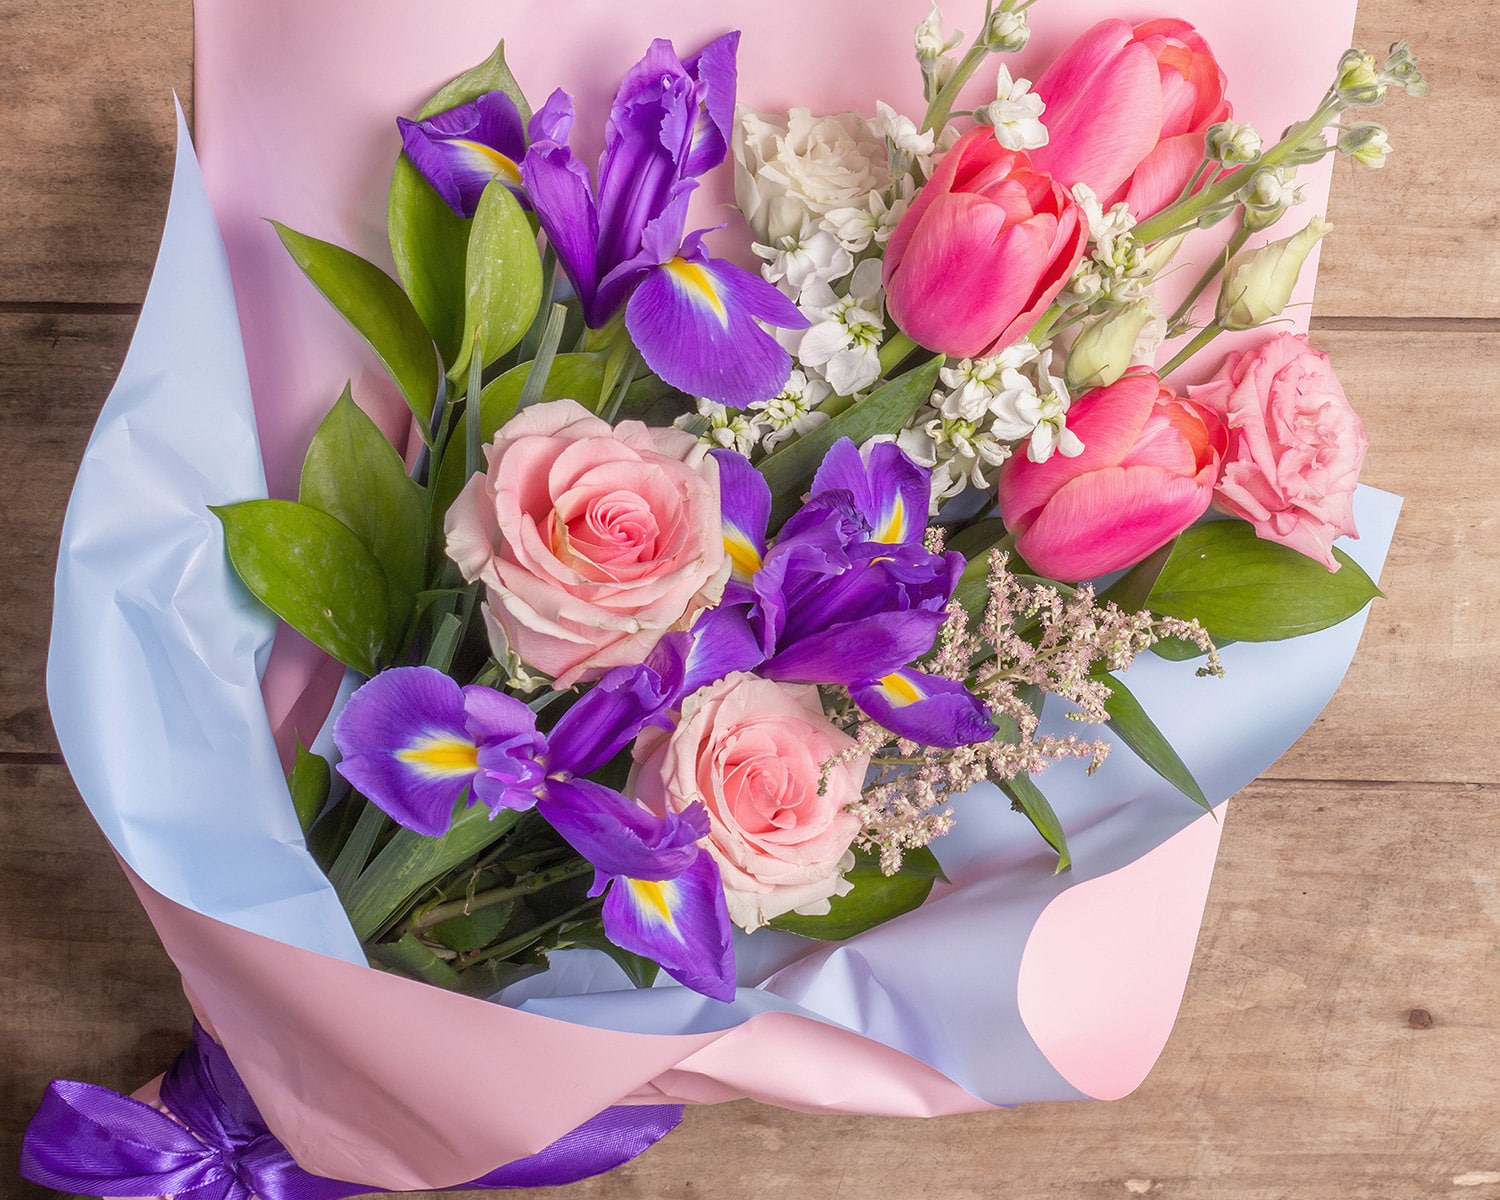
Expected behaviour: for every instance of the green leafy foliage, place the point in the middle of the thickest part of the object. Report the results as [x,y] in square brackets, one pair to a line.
[479,928]
[313,572]
[492,75]
[308,782]
[354,475]
[1026,797]
[430,246]
[1138,731]
[374,304]
[1243,588]
[875,898]
[503,280]
[790,469]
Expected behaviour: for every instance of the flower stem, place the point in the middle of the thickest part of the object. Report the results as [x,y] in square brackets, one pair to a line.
[521,941]
[1236,244]
[1205,335]
[942,104]
[542,880]
[897,347]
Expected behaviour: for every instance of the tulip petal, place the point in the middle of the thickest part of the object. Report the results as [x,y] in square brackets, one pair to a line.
[1163,174]
[693,322]
[681,923]
[925,708]
[1111,519]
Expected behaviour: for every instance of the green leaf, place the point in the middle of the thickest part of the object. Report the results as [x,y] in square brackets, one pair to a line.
[1240,587]
[410,957]
[1138,731]
[355,476]
[474,931]
[355,852]
[1026,797]
[374,304]
[1132,590]
[573,376]
[314,573]
[492,75]
[1182,650]
[875,899]
[791,468]
[410,861]
[308,782]
[503,280]
[430,246]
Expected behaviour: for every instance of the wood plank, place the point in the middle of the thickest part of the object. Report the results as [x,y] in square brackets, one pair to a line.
[55,370]
[87,991]
[1417,238]
[1420,701]
[87,170]
[1293,1069]
[85,185]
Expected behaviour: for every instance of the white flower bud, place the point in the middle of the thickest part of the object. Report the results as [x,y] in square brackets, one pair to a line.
[1368,144]
[1359,82]
[1007,32]
[1233,144]
[1258,283]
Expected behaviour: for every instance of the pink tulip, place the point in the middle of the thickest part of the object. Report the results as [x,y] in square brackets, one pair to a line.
[1127,111]
[1148,468]
[983,250]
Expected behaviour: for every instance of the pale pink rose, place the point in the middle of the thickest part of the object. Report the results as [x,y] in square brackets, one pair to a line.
[753,752]
[592,541]
[1295,445]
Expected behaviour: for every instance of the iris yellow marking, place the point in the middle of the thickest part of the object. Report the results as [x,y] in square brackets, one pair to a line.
[655,899]
[742,553]
[694,279]
[491,159]
[894,528]
[442,756]
[900,690]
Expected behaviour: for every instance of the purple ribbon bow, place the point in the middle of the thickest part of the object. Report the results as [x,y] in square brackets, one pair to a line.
[92,1141]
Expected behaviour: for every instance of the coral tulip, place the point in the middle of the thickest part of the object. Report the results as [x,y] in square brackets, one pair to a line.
[1128,109]
[1147,471]
[985,247]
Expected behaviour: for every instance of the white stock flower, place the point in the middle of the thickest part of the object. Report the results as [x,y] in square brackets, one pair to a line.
[842,344]
[856,228]
[1046,410]
[928,38]
[793,410]
[797,261]
[979,383]
[728,428]
[1015,114]
[901,132]
[791,170]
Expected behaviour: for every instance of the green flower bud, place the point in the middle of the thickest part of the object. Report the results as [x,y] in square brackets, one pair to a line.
[1258,283]
[1106,348]
[1233,144]
[1162,253]
[1367,143]
[1359,83]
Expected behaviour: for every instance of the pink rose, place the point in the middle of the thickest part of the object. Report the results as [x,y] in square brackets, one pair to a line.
[753,752]
[1295,445]
[1147,472]
[592,541]
[985,247]
[1128,109]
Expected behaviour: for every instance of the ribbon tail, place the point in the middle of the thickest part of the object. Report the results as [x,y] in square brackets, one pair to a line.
[600,1144]
[90,1141]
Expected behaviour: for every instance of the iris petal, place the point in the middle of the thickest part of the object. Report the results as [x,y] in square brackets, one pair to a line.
[681,923]
[406,746]
[694,324]
[925,708]
[460,151]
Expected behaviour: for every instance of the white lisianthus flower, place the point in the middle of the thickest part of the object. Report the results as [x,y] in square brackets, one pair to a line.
[792,170]
[1015,114]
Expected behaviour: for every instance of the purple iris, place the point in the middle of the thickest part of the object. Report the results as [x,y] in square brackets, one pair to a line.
[848,594]
[460,151]
[621,237]
[413,742]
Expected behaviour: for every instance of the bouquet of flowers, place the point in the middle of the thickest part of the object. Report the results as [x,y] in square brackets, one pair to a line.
[722,575]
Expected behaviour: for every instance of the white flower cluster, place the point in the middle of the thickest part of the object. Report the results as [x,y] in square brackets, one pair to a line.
[1116,271]
[985,405]
[766,423]
[822,196]
[1015,114]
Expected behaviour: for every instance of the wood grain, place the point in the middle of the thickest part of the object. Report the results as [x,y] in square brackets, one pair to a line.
[1357,882]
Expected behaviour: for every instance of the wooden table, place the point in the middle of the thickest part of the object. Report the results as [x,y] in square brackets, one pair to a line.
[1341,1031]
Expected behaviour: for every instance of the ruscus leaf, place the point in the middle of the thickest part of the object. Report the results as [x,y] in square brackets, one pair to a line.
[875,898]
